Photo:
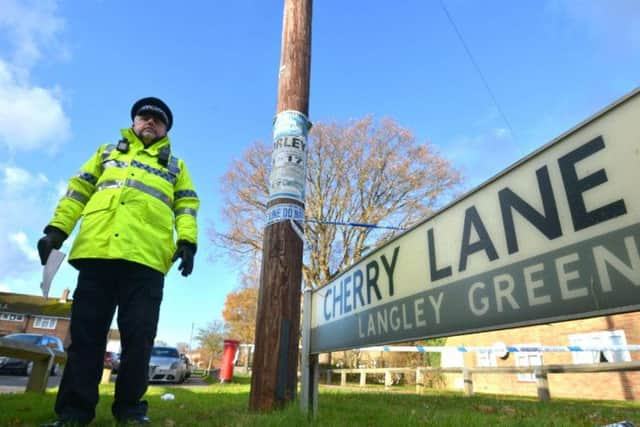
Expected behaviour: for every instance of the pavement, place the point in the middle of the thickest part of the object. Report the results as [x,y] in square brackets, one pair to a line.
[18,383]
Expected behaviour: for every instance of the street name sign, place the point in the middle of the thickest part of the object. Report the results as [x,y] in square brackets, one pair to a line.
[554,237]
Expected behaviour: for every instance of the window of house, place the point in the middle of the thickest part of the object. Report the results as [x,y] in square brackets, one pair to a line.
[45,323]
[486,359]
[528,358]
[12,317]
[599,340]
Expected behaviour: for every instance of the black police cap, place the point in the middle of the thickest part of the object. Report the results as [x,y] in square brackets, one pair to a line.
[153,106]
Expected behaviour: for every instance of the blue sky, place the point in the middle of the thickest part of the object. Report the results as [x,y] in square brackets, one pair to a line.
[70,70]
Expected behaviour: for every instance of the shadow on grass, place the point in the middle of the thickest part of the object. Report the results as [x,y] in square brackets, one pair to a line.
[227,405]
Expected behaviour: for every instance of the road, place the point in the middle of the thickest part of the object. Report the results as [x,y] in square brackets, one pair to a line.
[17,383]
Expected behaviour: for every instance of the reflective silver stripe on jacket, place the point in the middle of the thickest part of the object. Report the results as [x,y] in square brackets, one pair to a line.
[186,211]
[86,176]
[106,185]
[154,192]
[76,195]
[107,151]
[114,164]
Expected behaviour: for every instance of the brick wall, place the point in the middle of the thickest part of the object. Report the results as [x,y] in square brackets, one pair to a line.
[9,327]
[61,330]
[611,386]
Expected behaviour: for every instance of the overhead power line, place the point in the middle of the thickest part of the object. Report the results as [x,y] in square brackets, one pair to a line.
[477,67]
[354,224]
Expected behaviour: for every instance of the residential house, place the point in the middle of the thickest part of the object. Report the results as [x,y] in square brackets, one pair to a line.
[602,332]
[36,314]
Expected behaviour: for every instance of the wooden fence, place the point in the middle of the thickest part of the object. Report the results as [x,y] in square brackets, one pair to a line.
[43,359]
[541,374]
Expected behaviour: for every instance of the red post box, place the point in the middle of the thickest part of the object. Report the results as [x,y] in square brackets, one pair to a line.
[228,356]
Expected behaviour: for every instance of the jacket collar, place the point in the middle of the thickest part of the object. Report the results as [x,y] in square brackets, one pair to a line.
[136,143]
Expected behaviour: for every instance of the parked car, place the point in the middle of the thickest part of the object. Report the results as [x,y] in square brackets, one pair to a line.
[22,366]
[112,360]
[166,365]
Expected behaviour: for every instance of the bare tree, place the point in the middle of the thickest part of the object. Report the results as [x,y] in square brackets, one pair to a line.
[211,339]
[361,172]
[183,347]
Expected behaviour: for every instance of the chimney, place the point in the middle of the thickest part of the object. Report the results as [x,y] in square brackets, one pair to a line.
[65,296]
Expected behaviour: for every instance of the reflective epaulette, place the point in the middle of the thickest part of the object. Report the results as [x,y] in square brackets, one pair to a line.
[107,152]
[173,167]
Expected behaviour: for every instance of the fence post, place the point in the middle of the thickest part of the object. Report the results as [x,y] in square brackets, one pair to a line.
[363,378]
[419,381]
[542,382]
[329,373]
[40,373]
[343,378]
[468,381]
[388,381]
[106,376]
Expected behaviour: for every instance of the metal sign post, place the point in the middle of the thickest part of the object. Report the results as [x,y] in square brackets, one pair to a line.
[309,369]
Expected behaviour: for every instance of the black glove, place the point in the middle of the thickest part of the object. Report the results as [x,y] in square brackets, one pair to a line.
[53,239]
[185,251]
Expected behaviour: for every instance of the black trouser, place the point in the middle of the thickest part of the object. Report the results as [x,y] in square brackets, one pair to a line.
[102,285]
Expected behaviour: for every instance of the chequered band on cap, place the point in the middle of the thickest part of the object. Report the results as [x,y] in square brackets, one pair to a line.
[155,106]
[152,109]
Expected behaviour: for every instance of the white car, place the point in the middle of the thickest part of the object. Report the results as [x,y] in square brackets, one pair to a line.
[166,365]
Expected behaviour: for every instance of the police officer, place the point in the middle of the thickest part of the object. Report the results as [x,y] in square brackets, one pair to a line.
[131,196]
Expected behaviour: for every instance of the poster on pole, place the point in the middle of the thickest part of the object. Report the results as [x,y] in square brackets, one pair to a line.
[554,237]
[289,156]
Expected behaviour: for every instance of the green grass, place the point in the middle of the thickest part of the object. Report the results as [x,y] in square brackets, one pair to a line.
[227,405]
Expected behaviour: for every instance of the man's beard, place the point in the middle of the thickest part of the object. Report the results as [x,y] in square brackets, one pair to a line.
[147,136]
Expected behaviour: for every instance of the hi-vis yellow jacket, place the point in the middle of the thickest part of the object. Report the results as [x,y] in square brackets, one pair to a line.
[130,203]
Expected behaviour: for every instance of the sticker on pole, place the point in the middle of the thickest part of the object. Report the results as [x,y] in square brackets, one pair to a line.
[284,212]
[289,157]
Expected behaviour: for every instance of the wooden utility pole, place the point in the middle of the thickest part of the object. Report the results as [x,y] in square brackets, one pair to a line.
[274,378]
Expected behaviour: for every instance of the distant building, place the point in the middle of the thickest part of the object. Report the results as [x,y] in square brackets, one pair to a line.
[604,331]
[35,314]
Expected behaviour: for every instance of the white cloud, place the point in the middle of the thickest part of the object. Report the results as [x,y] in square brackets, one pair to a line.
[501,133]
[4,287]
[61,189]
[18,180]
[31,117]
[22,244]
[30,27]
[26,201]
